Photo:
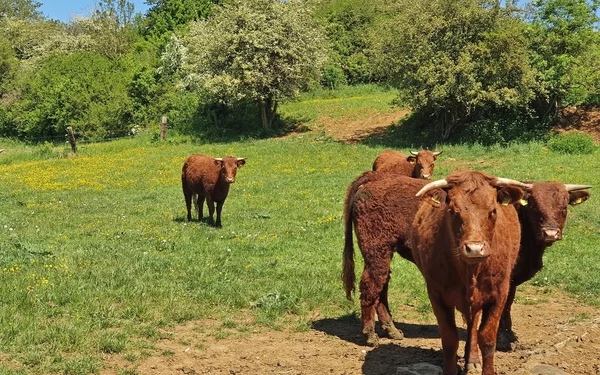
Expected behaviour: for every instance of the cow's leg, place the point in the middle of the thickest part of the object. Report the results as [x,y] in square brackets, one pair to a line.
[448,332]
[374,278]
[506,335]
[219,208]
[211,210]
[188,203]
[472,361]
[200,207]
[490,320]
[385,317]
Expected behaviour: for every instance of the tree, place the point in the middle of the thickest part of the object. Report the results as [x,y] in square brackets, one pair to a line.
[565,47]
[111,28]
[262,50]
[166,16]
[21,9]
[348,24]
[451,59]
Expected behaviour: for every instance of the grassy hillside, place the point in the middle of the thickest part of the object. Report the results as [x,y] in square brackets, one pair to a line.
[96,256]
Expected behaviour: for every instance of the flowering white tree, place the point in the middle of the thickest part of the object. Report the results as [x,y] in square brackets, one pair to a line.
[263,50]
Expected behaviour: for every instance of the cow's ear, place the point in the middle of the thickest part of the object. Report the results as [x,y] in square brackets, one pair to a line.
[241,162]
[436,198]
[412,159]
[509,195]
[578,197]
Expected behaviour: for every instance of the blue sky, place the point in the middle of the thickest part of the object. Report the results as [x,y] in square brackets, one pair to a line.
[63,10]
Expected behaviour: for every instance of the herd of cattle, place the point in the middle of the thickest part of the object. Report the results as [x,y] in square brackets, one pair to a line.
[474,237]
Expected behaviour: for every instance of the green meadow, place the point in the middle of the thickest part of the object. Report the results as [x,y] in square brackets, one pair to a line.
[96,256]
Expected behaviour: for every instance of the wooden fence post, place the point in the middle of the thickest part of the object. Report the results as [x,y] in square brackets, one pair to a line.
[71,137]
[163,128]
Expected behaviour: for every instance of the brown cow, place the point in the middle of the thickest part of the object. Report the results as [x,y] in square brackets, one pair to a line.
[419,165]
[208,178]
[382,207]
[465,241]
[542,222]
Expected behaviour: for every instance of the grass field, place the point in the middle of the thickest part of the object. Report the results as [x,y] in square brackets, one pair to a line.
[96,256]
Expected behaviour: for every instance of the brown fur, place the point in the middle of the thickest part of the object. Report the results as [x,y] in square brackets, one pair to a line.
[419,166]
[208,178]
[469,213]
[382,207]
[546,211]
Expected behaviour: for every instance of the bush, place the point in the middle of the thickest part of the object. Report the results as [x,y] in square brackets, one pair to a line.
[574,143]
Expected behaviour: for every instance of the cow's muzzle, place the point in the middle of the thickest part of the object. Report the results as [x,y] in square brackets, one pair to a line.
[475,252]
[230,180]
[426,176]
[551,234]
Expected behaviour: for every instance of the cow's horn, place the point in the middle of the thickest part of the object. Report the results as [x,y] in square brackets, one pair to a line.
[241,159]
[415,153]
[572,187]
[437,153]
[219,159]
[433,185]
[509,182]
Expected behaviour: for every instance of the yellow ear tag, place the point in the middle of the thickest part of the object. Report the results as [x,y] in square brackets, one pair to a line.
[435,200]
[505,203]
[579,200]
[523,202]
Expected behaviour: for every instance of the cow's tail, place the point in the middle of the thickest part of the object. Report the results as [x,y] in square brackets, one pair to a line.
[348,276]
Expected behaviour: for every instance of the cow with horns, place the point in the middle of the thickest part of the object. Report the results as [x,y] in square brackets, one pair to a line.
[542,214]
[465,241]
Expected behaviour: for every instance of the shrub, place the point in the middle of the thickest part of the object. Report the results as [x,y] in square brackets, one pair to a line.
[574,143]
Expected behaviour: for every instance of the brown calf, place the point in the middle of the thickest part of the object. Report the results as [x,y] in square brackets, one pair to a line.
[208,178]
[542,220]
[465,241]
[419,165]
[382,207]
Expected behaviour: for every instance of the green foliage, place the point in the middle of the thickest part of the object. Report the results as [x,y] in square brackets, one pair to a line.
[265,51]
[20,9]
[573,143]
[450,59]
[566,48]
[348,24]
[83,90]
[167,16]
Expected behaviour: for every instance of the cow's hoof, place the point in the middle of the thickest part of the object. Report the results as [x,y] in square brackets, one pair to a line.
[473,369]
[393,332]
[372,339]
[505,341]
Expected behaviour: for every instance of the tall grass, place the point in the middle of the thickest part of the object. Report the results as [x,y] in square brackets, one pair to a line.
[96,256]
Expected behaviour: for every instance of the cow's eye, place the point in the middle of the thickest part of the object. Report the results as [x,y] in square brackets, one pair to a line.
[492,214]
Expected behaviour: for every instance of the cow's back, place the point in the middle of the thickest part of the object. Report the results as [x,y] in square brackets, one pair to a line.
[199,173]
[393,161]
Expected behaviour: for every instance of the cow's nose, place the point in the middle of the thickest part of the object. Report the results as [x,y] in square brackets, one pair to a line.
[231,180]
[427,176]
[475,250]
[551,235]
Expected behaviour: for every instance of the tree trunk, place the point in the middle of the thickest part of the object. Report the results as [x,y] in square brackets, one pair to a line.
[263,115]
[268,110]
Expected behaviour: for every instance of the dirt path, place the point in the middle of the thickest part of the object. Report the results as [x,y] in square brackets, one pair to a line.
[552,329]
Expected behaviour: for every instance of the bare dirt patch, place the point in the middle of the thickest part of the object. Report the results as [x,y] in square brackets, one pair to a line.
[354,130]
[553,329]
[585,118]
